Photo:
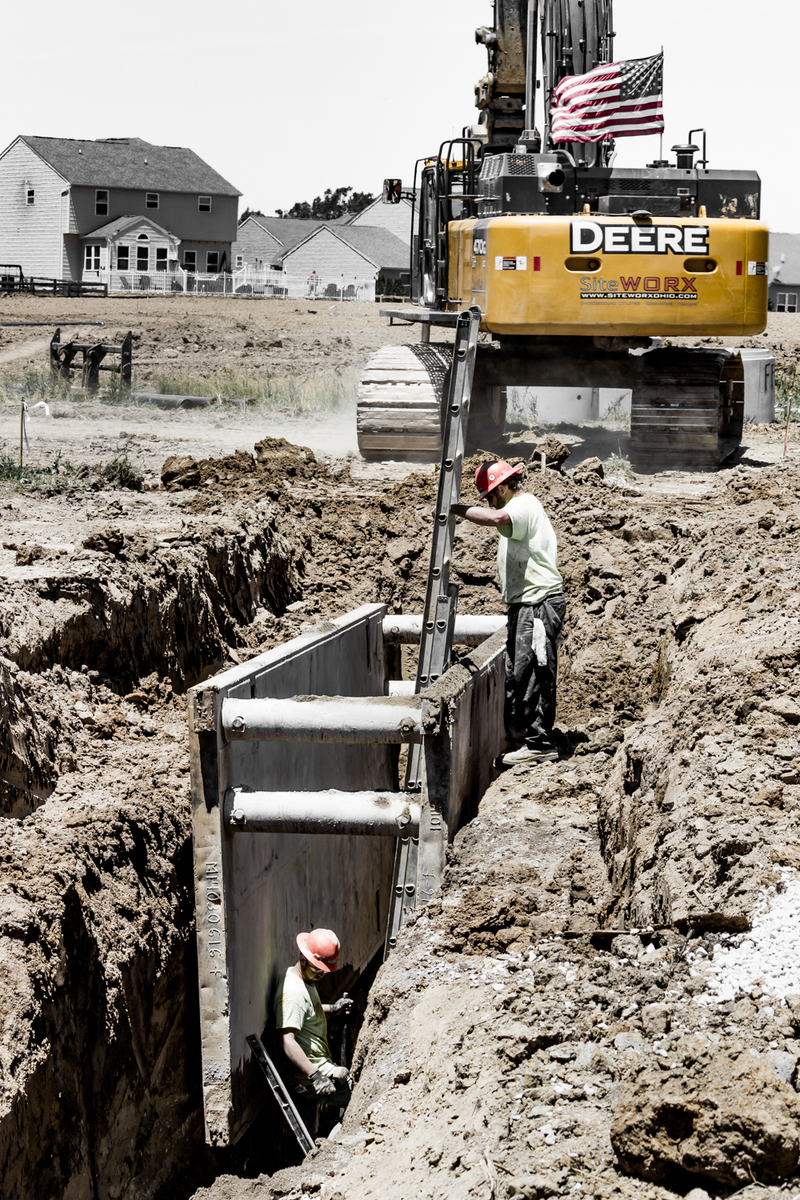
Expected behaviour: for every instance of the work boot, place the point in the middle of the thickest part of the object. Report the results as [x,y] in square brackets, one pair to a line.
[526,754]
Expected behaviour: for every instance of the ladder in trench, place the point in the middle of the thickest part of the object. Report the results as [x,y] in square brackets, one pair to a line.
[441,598]
[279,1091]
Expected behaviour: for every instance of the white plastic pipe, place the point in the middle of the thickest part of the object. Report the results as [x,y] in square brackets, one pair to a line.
[379,814]
[469,631]
[322,719]
[399,687]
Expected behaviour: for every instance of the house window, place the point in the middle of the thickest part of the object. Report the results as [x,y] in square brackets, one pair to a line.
[190,260]
[204,203]
[780,305]
[151,199]
[212,261]
[101,203]
[240,260]
[30,196]
[791,302]
[91,260]
[123,258]
[142,258]
[161,258]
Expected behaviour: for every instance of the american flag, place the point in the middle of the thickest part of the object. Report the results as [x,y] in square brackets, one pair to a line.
[620,99]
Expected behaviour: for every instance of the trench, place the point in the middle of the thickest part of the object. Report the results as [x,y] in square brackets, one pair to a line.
[100,1037]
[101,1093]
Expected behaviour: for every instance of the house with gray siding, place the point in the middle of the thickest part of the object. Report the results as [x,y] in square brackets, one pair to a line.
[320,257]
[784,272]
[396,218]
[347,257]
[261,242]
[72,209]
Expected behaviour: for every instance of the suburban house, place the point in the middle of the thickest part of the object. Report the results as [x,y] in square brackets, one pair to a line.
[73,209]
[784,272]
[320,257]
[394,217]
[261,242]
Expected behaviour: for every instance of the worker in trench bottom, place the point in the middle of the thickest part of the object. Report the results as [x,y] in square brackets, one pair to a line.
[301,1021]
[531,586]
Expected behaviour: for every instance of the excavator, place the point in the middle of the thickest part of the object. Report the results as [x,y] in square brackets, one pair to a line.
[581,269]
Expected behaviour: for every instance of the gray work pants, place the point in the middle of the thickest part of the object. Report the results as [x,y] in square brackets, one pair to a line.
[530,703]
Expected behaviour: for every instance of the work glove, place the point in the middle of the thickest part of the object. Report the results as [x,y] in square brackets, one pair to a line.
[323,1085]
[343,1005]
[340,1073]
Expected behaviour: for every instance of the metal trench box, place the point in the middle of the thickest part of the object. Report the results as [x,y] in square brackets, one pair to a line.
[295,820]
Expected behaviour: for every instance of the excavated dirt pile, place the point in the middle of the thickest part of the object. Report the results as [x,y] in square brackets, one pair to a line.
[555,1024]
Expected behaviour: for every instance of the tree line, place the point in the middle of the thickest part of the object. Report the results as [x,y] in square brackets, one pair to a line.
[336,202]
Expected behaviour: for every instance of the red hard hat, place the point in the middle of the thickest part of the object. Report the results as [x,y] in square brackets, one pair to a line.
[489,474]
[321,948]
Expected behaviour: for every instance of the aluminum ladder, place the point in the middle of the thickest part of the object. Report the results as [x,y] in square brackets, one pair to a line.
[441,597]
[278,1089]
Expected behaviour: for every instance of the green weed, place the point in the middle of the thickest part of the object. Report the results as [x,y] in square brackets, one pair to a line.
[786,386]
[614,417]
[262,392]
[618,467]
[120,472]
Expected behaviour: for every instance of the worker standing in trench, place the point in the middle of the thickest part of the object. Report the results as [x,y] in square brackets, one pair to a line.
[531,586]
[301,1021]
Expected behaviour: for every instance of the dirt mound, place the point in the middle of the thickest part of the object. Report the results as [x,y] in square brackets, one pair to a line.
[538,1030]
[724,1115]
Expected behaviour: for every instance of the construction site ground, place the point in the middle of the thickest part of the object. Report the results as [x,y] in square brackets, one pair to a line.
[572,1016]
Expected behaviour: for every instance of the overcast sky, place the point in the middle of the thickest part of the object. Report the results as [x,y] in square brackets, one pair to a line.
[287,99]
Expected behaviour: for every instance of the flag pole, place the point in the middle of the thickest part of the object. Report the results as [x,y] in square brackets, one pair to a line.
[661,135]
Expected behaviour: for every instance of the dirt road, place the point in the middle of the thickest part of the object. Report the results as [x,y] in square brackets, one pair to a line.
[524,1040]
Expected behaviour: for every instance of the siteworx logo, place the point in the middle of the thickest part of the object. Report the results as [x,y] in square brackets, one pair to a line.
[587,237]
[634,283]
[634,287]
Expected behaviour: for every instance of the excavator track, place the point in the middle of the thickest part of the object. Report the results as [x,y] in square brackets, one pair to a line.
[688,409]
[400,403]
[399,414]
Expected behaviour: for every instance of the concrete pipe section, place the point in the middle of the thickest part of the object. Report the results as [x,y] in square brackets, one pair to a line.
[378,814]
[468,631]
[323,719]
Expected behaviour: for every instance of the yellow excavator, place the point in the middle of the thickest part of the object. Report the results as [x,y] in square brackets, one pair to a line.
[579,268]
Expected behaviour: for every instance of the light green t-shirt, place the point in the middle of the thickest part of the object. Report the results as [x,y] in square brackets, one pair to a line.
[527,553]
[298,1007]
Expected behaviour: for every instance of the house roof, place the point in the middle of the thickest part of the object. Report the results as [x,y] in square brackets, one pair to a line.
[377,246]
[784,258]
[380,246]
[349,218]
[130,163]
[289,231]
[117,226]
